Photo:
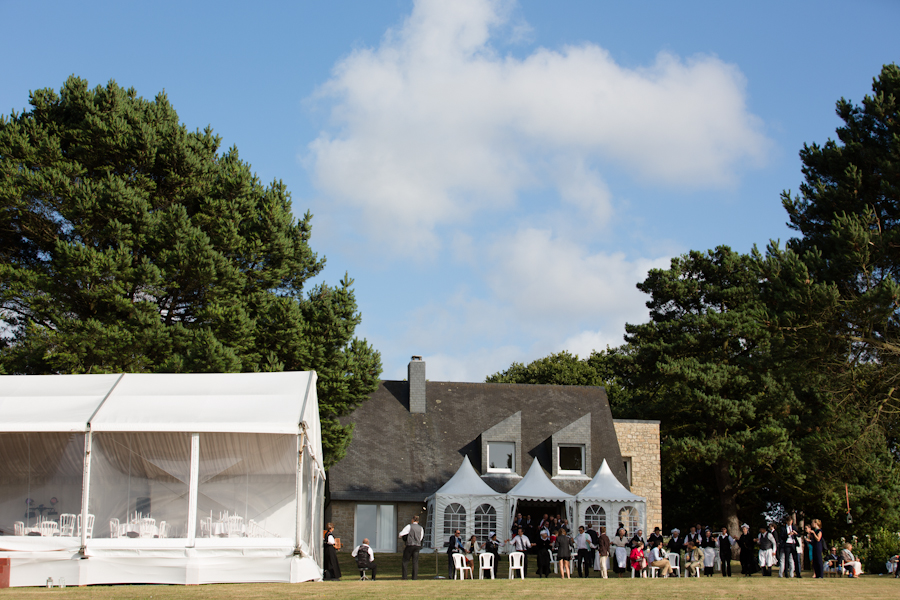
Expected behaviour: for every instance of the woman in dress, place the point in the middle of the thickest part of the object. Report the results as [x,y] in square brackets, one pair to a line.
[473,549]
[564,545]
[709,552]
[637,559]
[814,537]
[331,560]
[747,543]
[619,555]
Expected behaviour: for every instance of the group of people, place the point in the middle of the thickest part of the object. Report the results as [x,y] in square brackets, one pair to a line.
[591,549]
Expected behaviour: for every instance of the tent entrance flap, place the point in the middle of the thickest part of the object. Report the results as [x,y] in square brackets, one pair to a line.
[538,508]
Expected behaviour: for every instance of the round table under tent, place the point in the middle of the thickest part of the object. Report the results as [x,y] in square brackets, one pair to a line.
[535,486]
[466,503]
[161,478]
[606,502]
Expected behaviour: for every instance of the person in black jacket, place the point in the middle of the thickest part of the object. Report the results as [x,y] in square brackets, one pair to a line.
[454,546]
[725,541]
[747,544]
[708,542]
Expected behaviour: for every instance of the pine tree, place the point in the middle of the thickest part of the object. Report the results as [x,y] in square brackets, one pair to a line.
[128,243]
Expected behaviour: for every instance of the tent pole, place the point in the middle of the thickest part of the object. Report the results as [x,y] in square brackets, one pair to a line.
[298,494]
[85,491]
[193,490]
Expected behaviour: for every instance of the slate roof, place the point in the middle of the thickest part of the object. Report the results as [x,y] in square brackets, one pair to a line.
[397,456]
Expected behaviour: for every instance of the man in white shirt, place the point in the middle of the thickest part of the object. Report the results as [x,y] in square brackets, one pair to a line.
[365,557]
[521,543]
[412,534]
[787,548]
[583,549]
[658,559]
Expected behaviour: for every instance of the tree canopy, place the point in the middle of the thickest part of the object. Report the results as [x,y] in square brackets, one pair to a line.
[128,243]
[775,376]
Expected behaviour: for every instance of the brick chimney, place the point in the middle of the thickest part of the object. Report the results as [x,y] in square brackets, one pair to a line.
[416,379]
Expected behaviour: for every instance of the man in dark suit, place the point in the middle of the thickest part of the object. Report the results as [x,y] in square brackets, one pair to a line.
[787,548]
[454,546]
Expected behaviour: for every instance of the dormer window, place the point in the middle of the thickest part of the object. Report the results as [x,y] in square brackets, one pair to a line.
[571,459]
[501,457]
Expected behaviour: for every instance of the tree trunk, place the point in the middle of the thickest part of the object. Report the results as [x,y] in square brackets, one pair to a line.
[727,497]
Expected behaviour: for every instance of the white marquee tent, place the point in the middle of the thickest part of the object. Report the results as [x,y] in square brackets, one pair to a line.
[468,503]
[161,478]
[605,501]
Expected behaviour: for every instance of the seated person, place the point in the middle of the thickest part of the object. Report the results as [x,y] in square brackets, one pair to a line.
[850,562]
[833,561]
[894,561]
[365,558]
[637,559]
[693,558]
[658,558]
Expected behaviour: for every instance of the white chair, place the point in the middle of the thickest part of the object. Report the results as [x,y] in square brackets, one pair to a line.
[114,530]
[206,527]
[146,527]
[49,528]
[460,567]
[485,561]
[90,526]
[234,526]
[163,530]
[516,563]
[554,561]
[19,527]
[67,525]
[654,571]
[674,557]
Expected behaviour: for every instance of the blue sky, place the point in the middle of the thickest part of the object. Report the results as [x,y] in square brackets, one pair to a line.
[495,176]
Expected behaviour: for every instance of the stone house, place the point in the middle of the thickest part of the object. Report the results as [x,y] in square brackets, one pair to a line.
[410,438]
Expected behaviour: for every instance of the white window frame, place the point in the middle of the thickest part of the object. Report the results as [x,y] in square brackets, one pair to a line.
[507,470]
[559,468]
[628,469]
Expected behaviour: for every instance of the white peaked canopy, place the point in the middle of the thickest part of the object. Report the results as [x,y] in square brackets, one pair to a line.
[537,486]
[467,502]
[177,478]
[605,492]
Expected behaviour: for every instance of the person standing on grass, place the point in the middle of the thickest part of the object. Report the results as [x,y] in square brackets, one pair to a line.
[564,545]
[454,546]
[412,534]
[725,542]
[814,537]
[746,543]
[767,547]
[602,553]
[583,548]
[522,544]
[331,567]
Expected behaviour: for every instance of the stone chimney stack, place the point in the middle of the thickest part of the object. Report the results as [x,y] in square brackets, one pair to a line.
[416,385]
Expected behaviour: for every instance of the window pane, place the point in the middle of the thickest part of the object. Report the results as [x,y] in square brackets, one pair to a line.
[247,487]
[40,480]
[571,458]
[366,522]
[501,456]
[140,480]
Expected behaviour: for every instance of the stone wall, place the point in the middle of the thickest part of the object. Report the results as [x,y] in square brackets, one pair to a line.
[639,441]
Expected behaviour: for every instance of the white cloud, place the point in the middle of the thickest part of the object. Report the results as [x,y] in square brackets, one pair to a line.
[434,125]
[557,280]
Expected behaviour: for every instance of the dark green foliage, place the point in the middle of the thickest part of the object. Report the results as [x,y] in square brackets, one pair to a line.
[128,243]
[567,369]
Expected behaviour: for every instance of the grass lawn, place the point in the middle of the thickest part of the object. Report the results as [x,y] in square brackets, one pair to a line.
[389,586]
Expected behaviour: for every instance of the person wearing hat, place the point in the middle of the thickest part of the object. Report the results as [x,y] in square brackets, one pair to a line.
[746,543]
[654,537]
[544,554]
[493,546]
[676,542]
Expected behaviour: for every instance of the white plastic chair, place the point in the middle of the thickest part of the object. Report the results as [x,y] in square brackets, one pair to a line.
[67,525]
[49,528]
[485,561]
[206,527]
[163,530]
[654,571]
[554,561]
[19,527]
[460,567]
[114,530]
[674,557]
[516,563]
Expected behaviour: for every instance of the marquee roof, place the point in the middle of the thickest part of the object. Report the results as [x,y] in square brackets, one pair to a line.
[466,482]
[186,402]
[537,486]
[605,487]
